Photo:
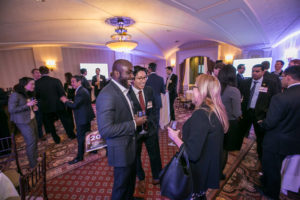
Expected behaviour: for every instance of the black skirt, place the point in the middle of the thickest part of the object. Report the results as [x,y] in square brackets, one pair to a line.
[233,139]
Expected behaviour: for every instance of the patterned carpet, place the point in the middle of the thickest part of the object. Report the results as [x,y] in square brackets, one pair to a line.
[93,178]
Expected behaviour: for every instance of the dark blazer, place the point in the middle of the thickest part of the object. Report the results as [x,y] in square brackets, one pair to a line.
[48,91]
[3,100]
[102,83]
[150,111]
[157,84]
[19,111]
[239,79]
[282,123]
[203,138]
[86,84]
[70,91]
[116,126]
[263,100]
[82,107]
[275,79]
[172,87]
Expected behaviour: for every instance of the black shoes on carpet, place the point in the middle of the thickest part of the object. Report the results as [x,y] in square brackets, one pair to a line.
[76,160]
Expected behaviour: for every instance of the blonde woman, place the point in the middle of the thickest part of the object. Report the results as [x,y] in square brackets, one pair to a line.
[202,135]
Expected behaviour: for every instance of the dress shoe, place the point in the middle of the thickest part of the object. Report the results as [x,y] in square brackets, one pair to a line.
[142,186]
[155,181]
[260,190]
[56,140]
[76,160]
[73,137]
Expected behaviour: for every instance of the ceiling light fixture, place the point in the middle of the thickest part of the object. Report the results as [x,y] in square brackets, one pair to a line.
[121,41]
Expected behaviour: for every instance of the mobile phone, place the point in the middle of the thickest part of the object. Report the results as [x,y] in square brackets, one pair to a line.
[173,125]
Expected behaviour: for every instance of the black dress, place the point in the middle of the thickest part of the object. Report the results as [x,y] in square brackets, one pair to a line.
[203,138]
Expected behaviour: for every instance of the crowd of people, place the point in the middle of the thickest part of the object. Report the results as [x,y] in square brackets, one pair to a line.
[128,113]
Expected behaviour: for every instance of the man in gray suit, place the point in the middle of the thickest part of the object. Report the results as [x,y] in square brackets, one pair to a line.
[117,125]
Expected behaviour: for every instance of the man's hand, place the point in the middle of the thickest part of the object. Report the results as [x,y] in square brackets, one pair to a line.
[64,99]
[140,120]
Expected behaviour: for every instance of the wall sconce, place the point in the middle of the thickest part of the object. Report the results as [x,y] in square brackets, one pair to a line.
[173,62]
[229,58]
[51,64]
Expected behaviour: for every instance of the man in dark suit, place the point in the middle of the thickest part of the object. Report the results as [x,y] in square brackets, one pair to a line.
[278,68]
[239,76]
[157,84]
[48,91]
[84,81]
[98,81]
[143,101]
[117,125]
[271,77]
[256,93]
[83,113]
[171,86]
[282,131]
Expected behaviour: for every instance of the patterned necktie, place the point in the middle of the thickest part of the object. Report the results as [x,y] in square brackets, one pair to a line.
[252,93]
[142,102]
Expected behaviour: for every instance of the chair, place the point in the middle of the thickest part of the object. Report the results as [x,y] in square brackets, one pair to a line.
[34,181]
[8,153]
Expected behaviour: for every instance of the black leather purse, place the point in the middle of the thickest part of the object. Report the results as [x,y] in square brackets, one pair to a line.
[176,177]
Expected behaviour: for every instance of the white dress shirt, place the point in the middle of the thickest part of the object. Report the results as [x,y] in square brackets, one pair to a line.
[256,91]
[136,92]
[125,92]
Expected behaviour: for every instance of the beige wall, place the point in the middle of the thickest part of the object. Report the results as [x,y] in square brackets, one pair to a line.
[17,63]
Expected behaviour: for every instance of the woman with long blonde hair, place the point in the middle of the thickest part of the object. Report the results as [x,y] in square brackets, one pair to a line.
[202,135]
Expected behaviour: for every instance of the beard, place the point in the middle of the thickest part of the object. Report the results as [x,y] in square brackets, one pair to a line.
[124,82]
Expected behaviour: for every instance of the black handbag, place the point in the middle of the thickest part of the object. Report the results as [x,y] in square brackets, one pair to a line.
[176,177]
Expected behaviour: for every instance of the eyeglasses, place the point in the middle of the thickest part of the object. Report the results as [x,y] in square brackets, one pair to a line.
[142,78]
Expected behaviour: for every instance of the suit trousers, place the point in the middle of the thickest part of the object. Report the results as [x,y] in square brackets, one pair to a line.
[152,146]
[66,120]
[259,131]
[39,121]
[157,116]
[172,112]
[124,182]
[96,92]
[271,180]
[81,131]
[30,134]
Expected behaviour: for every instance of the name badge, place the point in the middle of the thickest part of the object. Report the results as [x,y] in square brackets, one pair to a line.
[101,79]
[263,89]
[149,105]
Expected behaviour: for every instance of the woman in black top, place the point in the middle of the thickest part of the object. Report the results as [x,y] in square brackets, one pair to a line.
[68,87]
[202,135]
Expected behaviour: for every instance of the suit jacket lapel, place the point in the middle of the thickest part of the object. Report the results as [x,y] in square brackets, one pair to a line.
[146,97]
[120,93]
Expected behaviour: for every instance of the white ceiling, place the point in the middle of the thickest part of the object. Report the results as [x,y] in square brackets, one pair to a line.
[159,23]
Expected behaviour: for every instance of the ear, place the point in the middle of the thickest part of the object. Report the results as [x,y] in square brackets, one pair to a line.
[116,74]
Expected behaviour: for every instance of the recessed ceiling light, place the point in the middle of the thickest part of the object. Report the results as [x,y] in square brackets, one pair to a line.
[168,30]
[176,41]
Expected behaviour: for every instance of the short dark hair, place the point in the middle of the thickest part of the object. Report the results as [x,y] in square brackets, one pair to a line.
[219,65]
[77,77]
[265,65]
[293,71]
[83,70]
[169,68]
[280,61]
[258,65]
[44,70]
[34,69]
[152,66]
[240,66]
[137,69]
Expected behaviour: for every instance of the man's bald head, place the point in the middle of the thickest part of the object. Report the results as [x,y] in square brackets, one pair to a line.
[122,72]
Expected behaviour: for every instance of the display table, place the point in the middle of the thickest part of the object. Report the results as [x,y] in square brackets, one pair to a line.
[164,111]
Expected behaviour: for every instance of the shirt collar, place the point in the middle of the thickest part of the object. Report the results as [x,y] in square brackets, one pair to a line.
[121,87]
[293,85]
[135,90]
[259,80]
